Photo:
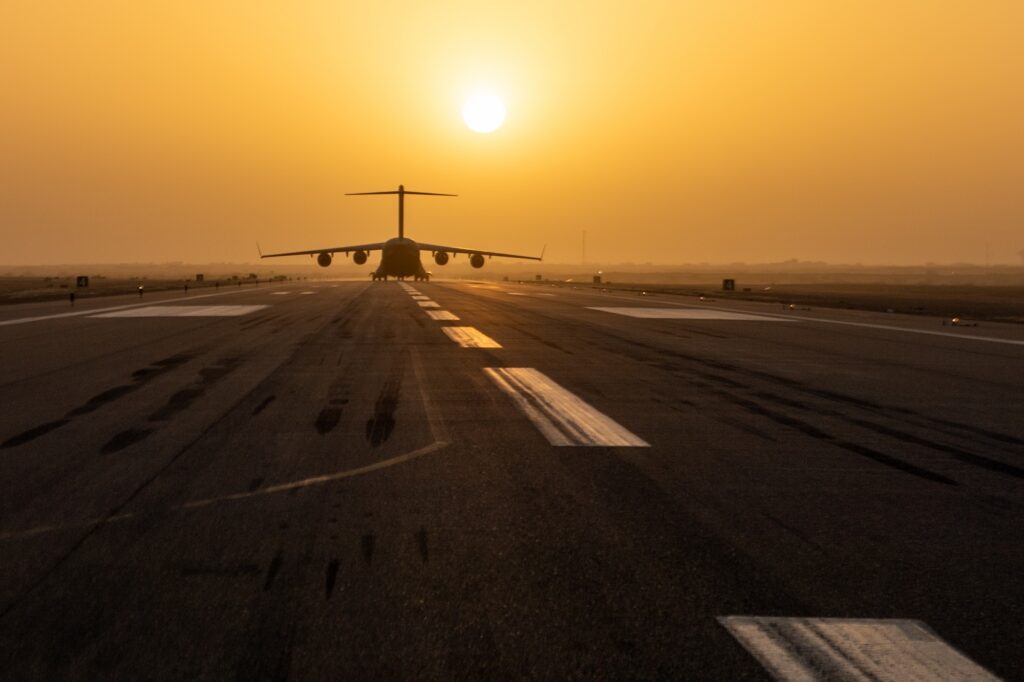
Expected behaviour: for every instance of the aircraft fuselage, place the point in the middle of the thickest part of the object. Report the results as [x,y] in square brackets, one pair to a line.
[400,257]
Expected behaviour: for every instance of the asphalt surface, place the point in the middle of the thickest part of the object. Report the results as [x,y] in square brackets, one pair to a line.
[331,487]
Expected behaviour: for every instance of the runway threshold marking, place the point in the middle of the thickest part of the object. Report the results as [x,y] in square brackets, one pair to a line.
[428,304]
[186,311]
[562,417]
[470,337]
[420,297]
[687,314]
[441,315]
[851,649]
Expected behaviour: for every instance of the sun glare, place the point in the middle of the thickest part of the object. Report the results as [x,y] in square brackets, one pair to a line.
[483,112]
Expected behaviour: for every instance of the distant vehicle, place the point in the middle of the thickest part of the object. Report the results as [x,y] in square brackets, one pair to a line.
[400,256]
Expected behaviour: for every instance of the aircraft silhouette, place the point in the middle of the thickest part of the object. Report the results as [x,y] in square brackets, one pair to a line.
[400,256]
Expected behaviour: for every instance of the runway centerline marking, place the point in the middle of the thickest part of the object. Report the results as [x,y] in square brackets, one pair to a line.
[441,315]
[428,304]
[186,311]
[279,293]
[470,337]
[306,293]
[562,417]
[687,314]
[851,649]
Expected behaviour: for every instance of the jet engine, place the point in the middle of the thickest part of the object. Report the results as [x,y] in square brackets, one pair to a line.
[324,259]
[359,257]
[441,258]
[476,260]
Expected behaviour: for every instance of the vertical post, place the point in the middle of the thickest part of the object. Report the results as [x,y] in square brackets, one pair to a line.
[401,211]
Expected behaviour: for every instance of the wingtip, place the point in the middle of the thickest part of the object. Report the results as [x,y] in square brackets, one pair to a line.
[259,250]
[542,252]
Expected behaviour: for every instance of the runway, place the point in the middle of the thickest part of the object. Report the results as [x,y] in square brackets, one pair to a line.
[346,480]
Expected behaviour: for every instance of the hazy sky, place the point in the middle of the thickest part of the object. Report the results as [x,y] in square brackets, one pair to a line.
[881,132]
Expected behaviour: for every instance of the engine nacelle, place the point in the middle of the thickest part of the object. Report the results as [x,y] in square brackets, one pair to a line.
[441,258]
[359,257]
[476,260]
[324,259]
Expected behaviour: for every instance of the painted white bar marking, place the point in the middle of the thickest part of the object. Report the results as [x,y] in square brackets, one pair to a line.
[441,315]
[866,325]
[851,649]
[428,304]
[280,293]
[93,312]
[687,314]
[306,293]
[470,337]
[185,311]
[420,297]
[563,418]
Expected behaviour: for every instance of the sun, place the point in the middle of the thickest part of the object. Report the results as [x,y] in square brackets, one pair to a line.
[483,112]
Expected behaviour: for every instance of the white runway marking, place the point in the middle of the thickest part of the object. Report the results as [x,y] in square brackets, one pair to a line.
[411,290]
[280,293]
[94,311]
[441,315]
[866,325]
[186,311]
[428,304]
[470,337]
[564,419]
[420,297]
[687,314]
[516,293]
[306,293]
[851,649]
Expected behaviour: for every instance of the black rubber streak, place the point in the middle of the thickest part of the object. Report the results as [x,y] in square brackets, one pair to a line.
[382,423]
[367,543]
[124,439]
[332,576]
[275,566]
[139,378]
[263,405]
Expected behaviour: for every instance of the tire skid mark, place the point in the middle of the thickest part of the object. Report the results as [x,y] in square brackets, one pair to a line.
[960,454]
[814,432]
[140,378]
[263,404]
[330,416]
[380,426]
[367,543]
[903,436]
[273,569]
[208,376]
[125,438]
[331,578]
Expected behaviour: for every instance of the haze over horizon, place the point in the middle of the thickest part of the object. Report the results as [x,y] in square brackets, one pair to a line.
[671,133]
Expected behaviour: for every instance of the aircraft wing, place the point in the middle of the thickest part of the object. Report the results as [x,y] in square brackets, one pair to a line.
[455,249]
[334,249]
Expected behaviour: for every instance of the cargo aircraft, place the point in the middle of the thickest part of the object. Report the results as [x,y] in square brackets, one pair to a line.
[400,256]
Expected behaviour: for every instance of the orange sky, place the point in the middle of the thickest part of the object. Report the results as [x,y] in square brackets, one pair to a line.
[879,132]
